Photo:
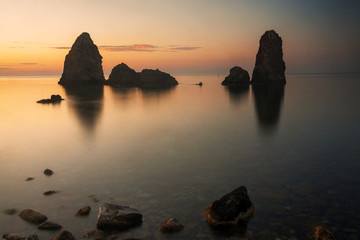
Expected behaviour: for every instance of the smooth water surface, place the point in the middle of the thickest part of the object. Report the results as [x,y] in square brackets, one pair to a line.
[172,152]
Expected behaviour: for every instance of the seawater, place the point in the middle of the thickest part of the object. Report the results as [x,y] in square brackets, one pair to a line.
[172,152]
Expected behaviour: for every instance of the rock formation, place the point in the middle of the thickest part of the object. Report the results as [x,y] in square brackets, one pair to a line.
[122,75]
[32,216]
[83,211]
[116,217]
[83,64]
[321,233]
[238,77]
[232,209]
[49,226]
[171,225]
[156,78]
[52,99]
[48,172]
[63,235]
[269,66]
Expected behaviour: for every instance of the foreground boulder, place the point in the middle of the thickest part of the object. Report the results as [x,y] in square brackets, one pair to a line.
[33,216]
[116,217]
[238,77]
[53,99]
[12,236]
[83,211]
[269,66]
[83,64]
[49,226]
[232,209]
[171,225]
[122,75]
[63,235]
[155,78]
[321,233]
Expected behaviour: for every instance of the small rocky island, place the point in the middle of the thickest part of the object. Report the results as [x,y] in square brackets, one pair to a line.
[124,76]
[83,64]
[53,99]
[238,77]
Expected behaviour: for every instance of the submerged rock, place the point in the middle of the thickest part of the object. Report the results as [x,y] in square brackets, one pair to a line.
[238,77]
[116,217]
[321,233]
[10,211]
[12,236]
[269,66]
[47,193]
[33,216]
[63,235]
[48,172]
[53,99]
[49,226]
[122,75]
[29,179]
[232,209]
[155,78]
[171,225]
[83,211]
[83,64]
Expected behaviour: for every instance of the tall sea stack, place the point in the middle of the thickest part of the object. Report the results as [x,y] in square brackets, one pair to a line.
[83,64]
[269,66]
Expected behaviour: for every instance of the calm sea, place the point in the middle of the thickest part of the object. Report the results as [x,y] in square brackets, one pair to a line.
[172,152]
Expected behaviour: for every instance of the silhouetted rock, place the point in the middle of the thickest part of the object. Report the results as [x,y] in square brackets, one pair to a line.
[32,216]
[232,209]
[63,235]
[48,172]
[52,99]
[29,179]
[155,78]
[12,236]
[269,66]
[83,211]
[33,237]
[83,64]
[321,233]
[200,84]
[51,192]
[116,217]
[49,226]
[238,77]
[122,75]
[171,225]
[10,211]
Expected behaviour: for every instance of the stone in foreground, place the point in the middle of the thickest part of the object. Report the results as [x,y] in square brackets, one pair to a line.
[53,99]
[83,211]
[238,77]
[12,236]
[49,226]
[33,237]
[83,64]
[171,225]
[269,66]
[232,209]
[116,217]
[63,235]
[321,233]
[155,78]
[33,216]
[122,75]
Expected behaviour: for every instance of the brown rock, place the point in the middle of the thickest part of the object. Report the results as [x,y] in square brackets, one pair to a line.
[122,75]
[321,233]
[12,236]
[83,211]
[48,172]
[29,179]
[47,193]
[49,226]
[238,77]
[33,237]
[32,216]
[155,78]
[171,225]
[63,235]
[52,99]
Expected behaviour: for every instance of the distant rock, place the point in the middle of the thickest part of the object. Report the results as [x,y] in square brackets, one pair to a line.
[122,75]
[200,84]
[29,179]
[171,225]
[94,198]
[321,233]
[10,211]
[32,216]
[116,217]
[269,66]
[155,78]
[232,209]
[63,235]
[49,226]
[51,192]
[12,236]
[238,77]
[83,211]
[48,172]
[83,64]
[52,99]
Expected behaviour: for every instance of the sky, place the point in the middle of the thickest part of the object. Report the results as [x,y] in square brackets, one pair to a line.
[180,36]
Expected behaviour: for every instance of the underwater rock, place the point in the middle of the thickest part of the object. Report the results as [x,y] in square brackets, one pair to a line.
[83,64]
[10,211]
[238,77]
[171,225]
[232,209]
[122,75]
[53,99]
[269,66]
[321,233]
[63,235]
[33,216]
[83,211]
[116,217]
[49,226]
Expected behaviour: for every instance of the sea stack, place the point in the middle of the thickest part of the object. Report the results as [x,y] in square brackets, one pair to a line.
[238,77]
[156,78]
[83,64]
[269,66]
[122,75]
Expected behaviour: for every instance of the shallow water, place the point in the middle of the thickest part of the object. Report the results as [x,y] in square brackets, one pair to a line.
[171,152]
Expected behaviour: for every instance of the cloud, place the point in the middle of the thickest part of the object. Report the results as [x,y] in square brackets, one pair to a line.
[61,48]
[28,63]
[130,48]
[176,48]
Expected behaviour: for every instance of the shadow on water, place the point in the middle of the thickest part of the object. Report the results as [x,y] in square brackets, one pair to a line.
[268,102]
[87,103]
[238,94]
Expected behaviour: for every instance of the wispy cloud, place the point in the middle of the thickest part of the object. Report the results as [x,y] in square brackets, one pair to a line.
[177,48]
[61,48]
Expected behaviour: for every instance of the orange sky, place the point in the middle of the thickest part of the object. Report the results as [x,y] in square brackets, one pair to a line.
[177,36]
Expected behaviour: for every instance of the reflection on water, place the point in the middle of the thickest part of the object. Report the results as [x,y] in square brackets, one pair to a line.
[155,94]
[87,102]
[238,94]
[268,102]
